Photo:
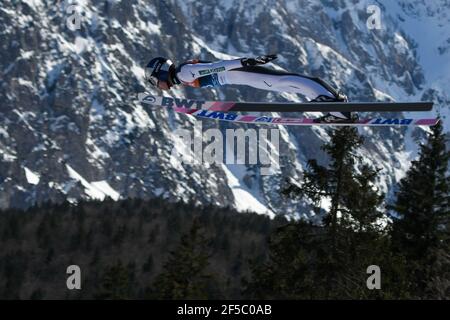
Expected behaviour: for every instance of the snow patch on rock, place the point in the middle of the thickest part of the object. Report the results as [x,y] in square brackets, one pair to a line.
[244,198]
[32,177]
[96,190]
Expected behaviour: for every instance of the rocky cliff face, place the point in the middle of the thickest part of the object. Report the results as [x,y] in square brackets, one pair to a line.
[70,126]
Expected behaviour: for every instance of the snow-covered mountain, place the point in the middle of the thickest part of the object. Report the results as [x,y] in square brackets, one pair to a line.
[70,126]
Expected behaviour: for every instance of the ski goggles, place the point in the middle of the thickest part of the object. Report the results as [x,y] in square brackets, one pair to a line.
[150,77]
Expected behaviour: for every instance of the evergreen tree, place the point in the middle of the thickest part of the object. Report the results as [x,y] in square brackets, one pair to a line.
[185,275]
[334,250]
[363,201]
[297,259]
[38,294]
[115,284]
[421,226]
[148,265]
[352,196]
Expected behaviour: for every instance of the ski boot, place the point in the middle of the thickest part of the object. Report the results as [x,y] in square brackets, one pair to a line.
[338,117]
[335,117]
[340,97]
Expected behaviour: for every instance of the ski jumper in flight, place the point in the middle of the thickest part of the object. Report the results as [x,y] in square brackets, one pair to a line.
[162,73]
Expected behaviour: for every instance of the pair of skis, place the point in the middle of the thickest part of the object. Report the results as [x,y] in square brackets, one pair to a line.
[226,111]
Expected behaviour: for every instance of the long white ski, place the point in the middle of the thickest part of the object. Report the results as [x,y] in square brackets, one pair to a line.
[286,106]
[301,121]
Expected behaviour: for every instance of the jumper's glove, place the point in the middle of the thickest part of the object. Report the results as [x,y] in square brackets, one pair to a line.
[258,60]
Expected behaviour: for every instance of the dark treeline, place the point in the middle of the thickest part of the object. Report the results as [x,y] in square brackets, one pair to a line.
[155,249]
[129,249]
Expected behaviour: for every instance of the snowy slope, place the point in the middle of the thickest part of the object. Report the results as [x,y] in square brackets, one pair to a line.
[427,24]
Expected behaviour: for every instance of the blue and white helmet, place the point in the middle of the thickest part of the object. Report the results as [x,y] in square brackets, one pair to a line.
[158,69]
